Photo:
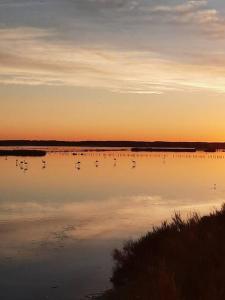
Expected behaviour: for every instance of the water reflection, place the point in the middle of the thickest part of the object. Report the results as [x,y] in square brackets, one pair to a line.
[58,227]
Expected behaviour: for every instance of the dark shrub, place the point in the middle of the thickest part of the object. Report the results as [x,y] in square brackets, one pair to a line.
[181,260]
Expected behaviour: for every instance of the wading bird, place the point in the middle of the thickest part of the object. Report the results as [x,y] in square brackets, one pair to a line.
[134,163]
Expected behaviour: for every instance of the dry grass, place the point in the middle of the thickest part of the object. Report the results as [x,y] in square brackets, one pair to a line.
[180,260]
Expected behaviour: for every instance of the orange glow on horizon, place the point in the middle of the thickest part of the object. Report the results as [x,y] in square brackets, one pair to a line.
[112,137]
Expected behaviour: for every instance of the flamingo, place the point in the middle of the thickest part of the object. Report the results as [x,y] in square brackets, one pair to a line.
[134,163]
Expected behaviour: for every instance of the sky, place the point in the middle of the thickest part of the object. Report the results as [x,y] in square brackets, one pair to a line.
[112,69]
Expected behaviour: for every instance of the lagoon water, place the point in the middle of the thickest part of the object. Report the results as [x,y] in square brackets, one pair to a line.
[60,222]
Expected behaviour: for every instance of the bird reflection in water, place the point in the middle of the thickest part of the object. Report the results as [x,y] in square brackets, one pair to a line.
[77,165]
[133,164]
[43,164]
[115,161]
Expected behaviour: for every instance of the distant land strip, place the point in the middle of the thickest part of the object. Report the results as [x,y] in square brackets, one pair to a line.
[198,146]
[165,149]
[21,152]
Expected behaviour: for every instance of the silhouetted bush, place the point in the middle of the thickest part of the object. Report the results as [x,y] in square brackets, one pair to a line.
[180,260]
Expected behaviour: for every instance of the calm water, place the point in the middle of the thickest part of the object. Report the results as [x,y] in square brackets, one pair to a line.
[59,224]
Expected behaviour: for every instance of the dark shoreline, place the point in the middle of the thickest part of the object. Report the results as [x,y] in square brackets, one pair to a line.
[198,146]
[155,149]
[22,153]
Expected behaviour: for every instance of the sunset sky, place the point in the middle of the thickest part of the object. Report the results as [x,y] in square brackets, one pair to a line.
[112,69]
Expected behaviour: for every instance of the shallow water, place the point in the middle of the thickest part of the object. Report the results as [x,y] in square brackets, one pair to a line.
[60,221]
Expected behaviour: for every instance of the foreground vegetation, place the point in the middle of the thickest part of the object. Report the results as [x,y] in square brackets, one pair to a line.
[180,260]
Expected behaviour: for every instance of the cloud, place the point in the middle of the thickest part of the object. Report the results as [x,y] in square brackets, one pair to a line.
[196,13]
[31,56]
[88,4]
[109,3]
[186,7]
[131,23]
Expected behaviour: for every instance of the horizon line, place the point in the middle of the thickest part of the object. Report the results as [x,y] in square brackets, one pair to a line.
[108,141]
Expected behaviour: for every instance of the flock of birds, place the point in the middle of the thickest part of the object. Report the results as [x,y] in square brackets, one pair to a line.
[97,163]
[23,164]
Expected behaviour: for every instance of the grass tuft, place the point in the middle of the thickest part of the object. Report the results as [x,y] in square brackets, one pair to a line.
[179,260]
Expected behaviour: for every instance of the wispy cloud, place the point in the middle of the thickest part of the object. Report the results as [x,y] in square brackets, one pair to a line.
[186,7]
[196,13]
[134,46]
[32,56]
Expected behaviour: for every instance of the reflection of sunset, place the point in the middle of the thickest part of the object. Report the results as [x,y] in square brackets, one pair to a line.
[88,202]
